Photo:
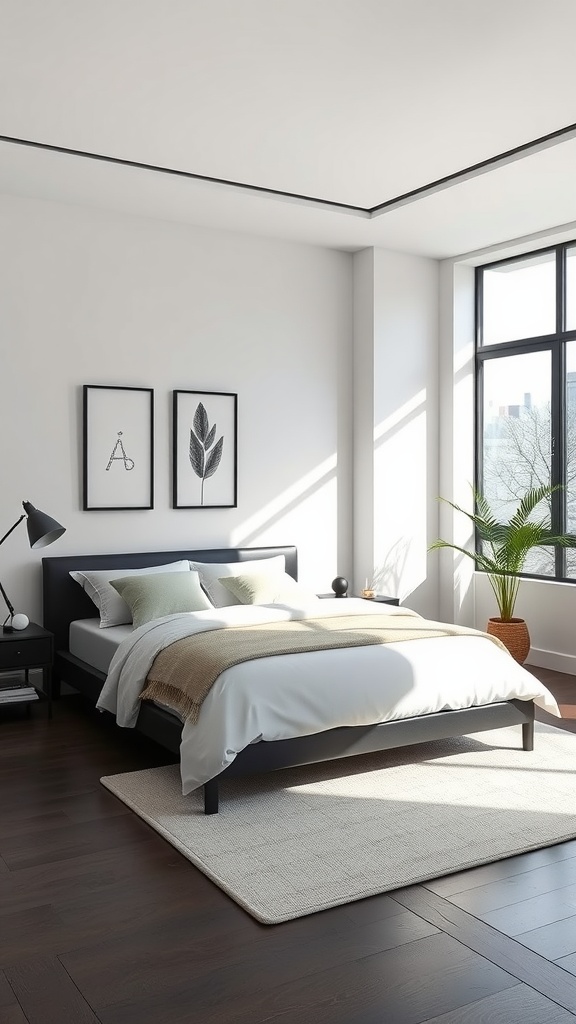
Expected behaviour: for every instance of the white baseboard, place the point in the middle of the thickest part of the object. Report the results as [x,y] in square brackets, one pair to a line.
[551,659]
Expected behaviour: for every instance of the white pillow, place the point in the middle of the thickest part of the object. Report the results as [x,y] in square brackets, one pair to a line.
[113,609]
[211,572]
[268,588]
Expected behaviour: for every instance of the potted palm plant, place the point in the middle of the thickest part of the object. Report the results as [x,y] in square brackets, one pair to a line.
[502,555]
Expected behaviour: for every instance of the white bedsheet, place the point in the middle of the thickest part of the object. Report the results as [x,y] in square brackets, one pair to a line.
[299,694]
[94,645]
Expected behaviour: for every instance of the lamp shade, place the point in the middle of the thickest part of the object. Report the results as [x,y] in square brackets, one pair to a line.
[42,529]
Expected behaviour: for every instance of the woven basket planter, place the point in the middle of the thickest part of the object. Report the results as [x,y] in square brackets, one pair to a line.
[514,635]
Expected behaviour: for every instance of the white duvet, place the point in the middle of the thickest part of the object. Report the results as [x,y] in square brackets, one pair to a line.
[298,694]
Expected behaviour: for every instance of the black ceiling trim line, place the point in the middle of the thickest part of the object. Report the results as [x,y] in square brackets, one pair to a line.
[178,173]
[473,168]
[542,142]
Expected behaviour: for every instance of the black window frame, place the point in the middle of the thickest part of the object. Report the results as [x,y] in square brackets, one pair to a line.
[555,343]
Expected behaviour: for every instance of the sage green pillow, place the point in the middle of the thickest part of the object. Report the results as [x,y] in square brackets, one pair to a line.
[162,593]
[268,588]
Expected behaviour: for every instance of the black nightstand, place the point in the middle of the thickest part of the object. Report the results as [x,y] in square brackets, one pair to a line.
[26,649]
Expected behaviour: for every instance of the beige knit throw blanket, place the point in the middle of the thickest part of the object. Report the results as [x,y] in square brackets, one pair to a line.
[182,675]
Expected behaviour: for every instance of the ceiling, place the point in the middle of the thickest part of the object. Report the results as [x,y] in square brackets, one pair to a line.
[295,119]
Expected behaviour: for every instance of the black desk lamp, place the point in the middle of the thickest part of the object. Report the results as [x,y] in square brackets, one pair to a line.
[42,530]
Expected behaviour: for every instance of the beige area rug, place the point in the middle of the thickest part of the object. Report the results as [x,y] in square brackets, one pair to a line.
[304,839]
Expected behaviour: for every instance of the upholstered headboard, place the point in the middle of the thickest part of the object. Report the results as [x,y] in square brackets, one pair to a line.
[64,600]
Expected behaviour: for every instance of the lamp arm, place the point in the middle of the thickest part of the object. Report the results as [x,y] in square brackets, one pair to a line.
[17,523]
[9,606]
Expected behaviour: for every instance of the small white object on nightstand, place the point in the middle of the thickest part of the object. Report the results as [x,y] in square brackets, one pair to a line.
[19,621]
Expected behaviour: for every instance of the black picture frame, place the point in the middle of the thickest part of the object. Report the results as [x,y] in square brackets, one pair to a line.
[118,448]
[204,449]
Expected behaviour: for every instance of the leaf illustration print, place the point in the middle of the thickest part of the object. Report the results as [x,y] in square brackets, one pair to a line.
[204,461]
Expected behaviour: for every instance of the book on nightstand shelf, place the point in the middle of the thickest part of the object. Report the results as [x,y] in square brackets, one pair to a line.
[11,694]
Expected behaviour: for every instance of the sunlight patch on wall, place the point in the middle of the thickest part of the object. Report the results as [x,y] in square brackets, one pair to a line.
[399,416]
[303,514]
[400,500]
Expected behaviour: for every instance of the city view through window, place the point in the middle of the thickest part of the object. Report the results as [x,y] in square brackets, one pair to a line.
[526,391]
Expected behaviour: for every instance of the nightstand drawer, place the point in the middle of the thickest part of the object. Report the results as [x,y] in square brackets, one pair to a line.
[25,652]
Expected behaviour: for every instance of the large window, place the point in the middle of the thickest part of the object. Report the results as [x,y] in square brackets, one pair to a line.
[526,390]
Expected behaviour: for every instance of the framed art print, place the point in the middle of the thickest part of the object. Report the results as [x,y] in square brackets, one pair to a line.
[204,442]
[118,448]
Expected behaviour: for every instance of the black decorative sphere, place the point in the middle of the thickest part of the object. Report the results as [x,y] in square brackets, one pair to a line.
[340,586]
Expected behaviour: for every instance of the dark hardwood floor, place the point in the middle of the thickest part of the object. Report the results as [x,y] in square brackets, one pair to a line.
[102,920]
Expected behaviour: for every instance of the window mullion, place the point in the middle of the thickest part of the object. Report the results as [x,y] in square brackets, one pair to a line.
[558,419]
[560,289]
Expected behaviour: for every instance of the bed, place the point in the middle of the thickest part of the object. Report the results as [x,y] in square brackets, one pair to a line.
[69,611]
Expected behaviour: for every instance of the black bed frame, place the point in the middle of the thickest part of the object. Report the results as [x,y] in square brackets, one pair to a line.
[64,601]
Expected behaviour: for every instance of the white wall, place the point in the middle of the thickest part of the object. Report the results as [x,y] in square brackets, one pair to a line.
[456,369]
[363,417]
[91,297]
[396,425]
[94,297]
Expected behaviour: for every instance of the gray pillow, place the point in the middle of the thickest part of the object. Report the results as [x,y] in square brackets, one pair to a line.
[211,573]
[161,593]
[268,588]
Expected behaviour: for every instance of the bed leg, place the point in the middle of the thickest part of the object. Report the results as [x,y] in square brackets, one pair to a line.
[211,797]
[528,735]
